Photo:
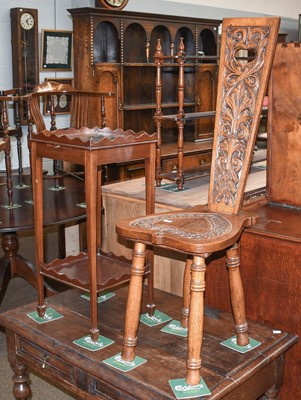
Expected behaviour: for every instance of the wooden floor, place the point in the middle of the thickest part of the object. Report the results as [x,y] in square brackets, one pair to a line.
[228,374]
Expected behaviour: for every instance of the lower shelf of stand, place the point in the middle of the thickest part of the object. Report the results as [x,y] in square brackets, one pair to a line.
[74,271]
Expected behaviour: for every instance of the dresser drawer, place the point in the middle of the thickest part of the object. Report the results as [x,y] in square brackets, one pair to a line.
[47,361]
[191,161]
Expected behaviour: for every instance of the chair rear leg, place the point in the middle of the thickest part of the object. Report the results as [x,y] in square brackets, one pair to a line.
[196,320]
[133,306]
[9,183]
[151,306]
[186,294]
[20,163]
[237,296]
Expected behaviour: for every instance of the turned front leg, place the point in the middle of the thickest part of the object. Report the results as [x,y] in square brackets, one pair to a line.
[133,306]
[237,296]
[196,320]
[21,388]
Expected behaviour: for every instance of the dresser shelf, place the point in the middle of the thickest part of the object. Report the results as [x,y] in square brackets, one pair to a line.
[118,56]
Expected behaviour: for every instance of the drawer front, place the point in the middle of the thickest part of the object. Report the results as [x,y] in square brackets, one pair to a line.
[131,171]
[47,361]
[188,162]
[59,371]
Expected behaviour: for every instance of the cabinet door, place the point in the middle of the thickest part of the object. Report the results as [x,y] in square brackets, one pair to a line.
[205,98]
[108,79]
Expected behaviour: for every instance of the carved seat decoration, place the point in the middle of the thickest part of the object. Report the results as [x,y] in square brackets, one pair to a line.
[183,225]
[201,231]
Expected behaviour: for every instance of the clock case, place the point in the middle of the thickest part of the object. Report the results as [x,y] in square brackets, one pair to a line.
[25,59]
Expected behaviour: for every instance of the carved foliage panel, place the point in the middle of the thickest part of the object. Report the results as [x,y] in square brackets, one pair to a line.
[236,125]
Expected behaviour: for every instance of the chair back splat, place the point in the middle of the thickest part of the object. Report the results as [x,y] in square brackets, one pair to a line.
[243,77]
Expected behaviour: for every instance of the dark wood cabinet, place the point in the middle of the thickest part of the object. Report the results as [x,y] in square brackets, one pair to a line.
[271,249]
[270,268]
[205,98]
[114,51]
[284,127]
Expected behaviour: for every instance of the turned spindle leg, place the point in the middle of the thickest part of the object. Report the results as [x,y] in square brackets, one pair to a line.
[186,294]
[151,306]
[133,306]
[237,296]
[21,389]
[196,320]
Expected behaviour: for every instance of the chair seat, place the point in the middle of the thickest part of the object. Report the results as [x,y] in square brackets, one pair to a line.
[195,231]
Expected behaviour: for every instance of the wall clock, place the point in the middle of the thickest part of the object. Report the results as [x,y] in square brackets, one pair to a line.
[111,4]
[25,59]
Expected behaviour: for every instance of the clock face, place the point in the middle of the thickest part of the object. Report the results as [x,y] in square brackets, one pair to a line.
[115,3]
[111,4]
[27,21]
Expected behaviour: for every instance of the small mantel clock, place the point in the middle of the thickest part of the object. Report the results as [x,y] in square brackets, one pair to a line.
[111,4]
[25,59]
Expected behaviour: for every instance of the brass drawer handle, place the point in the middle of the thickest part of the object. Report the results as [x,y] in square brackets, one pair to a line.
[45,359]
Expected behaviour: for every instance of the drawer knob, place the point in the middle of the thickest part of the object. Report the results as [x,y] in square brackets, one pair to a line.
[45,359]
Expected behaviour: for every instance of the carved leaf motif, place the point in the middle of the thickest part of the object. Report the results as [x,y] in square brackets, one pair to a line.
[241,84]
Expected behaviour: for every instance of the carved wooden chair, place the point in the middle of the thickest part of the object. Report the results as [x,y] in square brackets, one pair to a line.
[5,145]
[203,230]
[81,105]
[87,108]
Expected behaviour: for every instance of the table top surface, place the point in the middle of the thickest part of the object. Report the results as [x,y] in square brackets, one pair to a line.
[278,221]
[60,206]
[93,139]
[222,369]
[195,191]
